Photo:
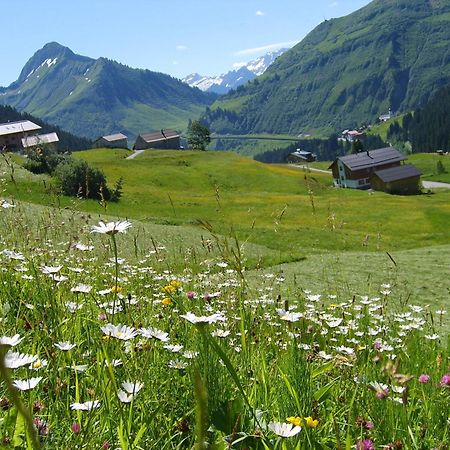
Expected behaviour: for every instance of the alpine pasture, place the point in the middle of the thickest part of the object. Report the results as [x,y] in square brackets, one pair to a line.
[221,303]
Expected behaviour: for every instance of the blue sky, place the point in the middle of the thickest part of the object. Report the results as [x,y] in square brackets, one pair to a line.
[177,37]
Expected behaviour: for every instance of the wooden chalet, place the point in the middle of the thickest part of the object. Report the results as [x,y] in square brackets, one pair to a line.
[379,169]
[301,156]
[12,133]
[117,140]
[164,139]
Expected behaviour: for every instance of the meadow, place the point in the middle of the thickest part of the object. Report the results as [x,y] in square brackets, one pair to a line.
[237,306]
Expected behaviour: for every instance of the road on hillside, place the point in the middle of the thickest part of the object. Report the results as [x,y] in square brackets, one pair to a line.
[312,169]
[134,154]
[435,185]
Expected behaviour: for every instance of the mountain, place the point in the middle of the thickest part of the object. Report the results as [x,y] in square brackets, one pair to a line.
[390,54]
[67,141]
[231,80]
[94,97]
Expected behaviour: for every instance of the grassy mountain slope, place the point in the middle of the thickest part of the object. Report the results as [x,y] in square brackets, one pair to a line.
[96,97]
[282,208]
[391,53]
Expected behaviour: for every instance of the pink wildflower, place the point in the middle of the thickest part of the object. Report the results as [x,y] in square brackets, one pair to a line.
[424,378]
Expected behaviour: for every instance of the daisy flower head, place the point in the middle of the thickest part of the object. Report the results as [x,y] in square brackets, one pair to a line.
[26,385]
[11,341]
[14,360]
[284,429]
[132,387]
[65,346]
[86,406]
[121,332]
[111,228]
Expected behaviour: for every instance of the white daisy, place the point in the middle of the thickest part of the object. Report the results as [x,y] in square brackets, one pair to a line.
[132,387]
[11,341]
[177,364]
[82,288]
[124,397]
[122,332]
[86,406]
[14,360]
[65,346]
[284,429]
[111,227]
[213,318]
[26,385]
[153,333]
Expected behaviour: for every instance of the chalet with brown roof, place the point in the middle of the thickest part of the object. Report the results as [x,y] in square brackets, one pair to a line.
[117,140]
[380,169]
[163,139]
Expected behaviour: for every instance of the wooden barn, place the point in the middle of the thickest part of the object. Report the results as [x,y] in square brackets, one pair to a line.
[117,140]
[12,133]
[404,179]
[49,140]
[301,156]
[370,169]
[164,139]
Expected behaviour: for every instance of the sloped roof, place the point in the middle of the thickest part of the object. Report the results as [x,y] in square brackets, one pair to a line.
[113,137]
[372,158]
[17,127]
[398,173]
[160,135]
[31,141]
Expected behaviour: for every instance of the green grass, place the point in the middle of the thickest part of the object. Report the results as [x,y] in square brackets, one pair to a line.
[343,351]
[427,162]
[282,208]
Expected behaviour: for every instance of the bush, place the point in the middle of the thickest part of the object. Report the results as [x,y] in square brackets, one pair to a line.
[77,178]
[43,160]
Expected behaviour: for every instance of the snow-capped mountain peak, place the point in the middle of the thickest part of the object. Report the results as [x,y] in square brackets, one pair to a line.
[223,83]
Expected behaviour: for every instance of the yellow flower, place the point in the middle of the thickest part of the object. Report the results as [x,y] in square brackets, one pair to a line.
[311,422]
[116,289]
[295,420]
[169,289]
[175,283]
[166,301]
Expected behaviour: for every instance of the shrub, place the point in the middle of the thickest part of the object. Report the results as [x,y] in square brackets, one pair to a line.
[77,178]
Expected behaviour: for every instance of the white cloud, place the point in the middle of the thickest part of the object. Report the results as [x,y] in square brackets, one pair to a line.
[175,63]
[260,13]
[333,4]
[265,48]
[181,47]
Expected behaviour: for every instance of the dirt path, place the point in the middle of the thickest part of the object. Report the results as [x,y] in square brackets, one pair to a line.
[435,184]
[134,154]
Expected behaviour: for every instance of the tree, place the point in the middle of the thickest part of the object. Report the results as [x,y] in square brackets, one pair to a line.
[198,135]
[357,146]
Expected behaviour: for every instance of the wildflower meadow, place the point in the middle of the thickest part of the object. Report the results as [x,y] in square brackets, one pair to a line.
[113,340]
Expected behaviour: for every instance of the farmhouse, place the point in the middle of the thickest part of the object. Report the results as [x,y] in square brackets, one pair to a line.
[300,156]
[164,139]
[48,140]
[380,169]
[117,140]
[351,135]
[12,133]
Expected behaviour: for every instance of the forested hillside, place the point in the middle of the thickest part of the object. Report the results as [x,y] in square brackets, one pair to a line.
[390,54]
[428,129]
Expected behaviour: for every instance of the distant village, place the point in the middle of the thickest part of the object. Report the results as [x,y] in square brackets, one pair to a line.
[380,169]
